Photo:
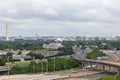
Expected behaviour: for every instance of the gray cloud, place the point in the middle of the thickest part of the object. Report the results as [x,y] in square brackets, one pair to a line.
[60,17]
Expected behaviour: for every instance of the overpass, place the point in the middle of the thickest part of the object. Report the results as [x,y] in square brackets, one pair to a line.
[108,66]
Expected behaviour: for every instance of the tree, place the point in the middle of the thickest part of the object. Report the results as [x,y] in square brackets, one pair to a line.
[2,61]
[66,50]
[9,54]
[37,56]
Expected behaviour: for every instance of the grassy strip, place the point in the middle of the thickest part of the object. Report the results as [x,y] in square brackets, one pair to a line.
[110,78]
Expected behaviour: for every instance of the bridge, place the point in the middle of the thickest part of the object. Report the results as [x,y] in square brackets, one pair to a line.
[105,66]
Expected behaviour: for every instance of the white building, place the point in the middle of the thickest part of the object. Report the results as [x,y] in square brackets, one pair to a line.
[52,45]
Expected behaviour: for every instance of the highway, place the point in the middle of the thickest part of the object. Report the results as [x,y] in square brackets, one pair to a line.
[118,55]
[116,64]
[113,56]
[81,54]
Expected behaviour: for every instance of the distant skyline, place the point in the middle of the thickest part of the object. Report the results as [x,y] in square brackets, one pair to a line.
[60,17]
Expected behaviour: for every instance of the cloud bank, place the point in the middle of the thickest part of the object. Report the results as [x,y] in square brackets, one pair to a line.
[60,17]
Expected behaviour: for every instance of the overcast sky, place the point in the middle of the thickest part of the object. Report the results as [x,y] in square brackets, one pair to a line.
[60,17]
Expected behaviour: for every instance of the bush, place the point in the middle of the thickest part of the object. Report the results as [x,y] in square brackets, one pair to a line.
[2,61]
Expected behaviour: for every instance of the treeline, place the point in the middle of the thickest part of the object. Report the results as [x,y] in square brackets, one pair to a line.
[66,50]
[37,45]
[24,45]
[56,64]
[35,55]
[101,44]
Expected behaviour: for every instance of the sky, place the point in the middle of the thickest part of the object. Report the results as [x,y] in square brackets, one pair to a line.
[60,17]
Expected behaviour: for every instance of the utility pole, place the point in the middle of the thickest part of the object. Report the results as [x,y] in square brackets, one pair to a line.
[42,66]
[47,64]
[54,64]
[33,63]
[8,66]
[65,64]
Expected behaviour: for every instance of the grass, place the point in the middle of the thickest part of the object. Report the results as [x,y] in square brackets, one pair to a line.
[110,78]
[17,63]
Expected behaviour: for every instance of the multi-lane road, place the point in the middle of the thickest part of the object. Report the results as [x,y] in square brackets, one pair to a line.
[113,55]
[81,54]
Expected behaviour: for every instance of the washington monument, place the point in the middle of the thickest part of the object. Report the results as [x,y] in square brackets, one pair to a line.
[7,35]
